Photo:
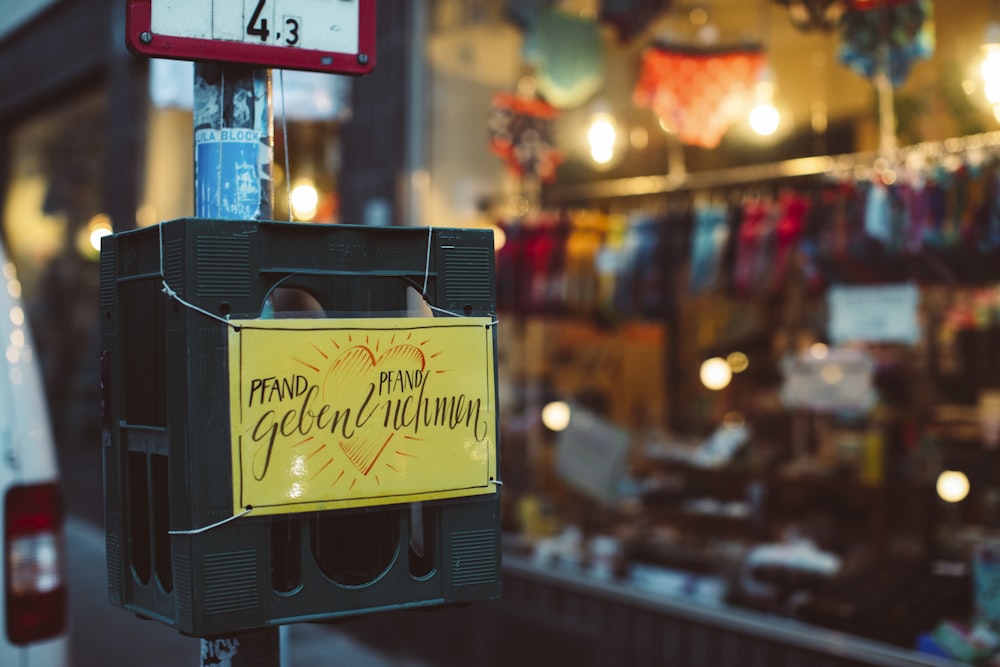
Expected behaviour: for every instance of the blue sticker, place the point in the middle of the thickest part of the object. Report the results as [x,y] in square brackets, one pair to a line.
[233,153]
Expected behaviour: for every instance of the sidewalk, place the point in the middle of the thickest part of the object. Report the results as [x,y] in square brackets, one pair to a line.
[320,645]
[111,637]
[105,635]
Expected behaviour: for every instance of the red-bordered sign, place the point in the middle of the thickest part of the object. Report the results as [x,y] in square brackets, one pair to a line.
[334,36]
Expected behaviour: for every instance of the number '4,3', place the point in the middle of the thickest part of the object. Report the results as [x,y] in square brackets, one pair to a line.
[257,27]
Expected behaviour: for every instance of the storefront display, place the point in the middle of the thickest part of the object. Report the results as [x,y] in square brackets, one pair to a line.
[856,368]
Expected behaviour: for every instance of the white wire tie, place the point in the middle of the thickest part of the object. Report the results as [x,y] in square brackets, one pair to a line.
[205,529]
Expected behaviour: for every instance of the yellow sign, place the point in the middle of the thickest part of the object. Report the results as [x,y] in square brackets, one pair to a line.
[329,414]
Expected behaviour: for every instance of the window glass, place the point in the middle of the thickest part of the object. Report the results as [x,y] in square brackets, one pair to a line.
[52,215]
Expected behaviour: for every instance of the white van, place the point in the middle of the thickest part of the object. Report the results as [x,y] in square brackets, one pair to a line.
[34,607]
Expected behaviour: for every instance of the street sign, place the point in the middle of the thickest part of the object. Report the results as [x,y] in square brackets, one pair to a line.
[334,36]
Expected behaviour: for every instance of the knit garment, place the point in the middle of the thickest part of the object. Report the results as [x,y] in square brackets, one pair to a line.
[699,93]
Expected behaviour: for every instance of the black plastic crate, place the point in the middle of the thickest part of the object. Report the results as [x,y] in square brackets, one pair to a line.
[166,293]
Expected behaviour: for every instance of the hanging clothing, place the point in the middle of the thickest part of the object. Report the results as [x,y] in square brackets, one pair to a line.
[748,246]
[568,55]
[788,231]
[698,93]
[711,232]
[907,25]
[586,237]
[878,214]
[522,134]
[510,267]
[916,206]
[637,287]
[609,265]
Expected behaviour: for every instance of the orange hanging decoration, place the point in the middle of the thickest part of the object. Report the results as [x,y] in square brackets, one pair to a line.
[698,93]
[522,135]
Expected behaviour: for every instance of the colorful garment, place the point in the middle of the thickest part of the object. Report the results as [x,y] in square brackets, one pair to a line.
[787,231]
[908,25]
[567,53]
[522,134]
[711,233]
[749,245]
[699,93]
[638,289]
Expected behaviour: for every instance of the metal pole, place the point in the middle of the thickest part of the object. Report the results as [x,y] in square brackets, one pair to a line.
[233,154]
[233,142]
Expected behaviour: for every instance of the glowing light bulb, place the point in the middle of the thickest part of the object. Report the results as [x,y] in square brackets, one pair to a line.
[499,238]
[952,486]
[304,200]
[88,239]
[764,119]
[96,235]
[556,415]
[990,70]
[715,373]
[602,136]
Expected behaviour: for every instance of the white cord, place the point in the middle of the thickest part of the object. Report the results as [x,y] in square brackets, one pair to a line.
[205,529]
[427,264]
[427,273]
[172,294]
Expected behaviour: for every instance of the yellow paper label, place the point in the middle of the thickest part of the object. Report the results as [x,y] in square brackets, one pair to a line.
[329,414]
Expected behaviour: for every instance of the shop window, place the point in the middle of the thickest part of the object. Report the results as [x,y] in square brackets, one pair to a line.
[53,204]
[56,187]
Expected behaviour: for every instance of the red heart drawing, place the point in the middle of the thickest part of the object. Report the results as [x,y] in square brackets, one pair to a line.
[354,373]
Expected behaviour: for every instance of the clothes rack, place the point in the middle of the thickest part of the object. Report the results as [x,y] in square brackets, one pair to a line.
[858,166]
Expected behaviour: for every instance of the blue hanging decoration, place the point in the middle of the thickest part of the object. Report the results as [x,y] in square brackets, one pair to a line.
[567,53]
[903,28]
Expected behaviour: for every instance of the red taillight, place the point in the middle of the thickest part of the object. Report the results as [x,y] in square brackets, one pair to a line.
[34,568]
